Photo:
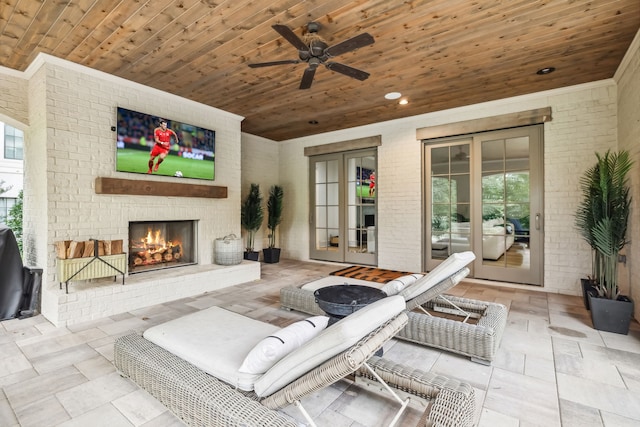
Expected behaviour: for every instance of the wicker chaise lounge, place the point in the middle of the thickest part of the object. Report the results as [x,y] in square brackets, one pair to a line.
[202,399]
[479,339]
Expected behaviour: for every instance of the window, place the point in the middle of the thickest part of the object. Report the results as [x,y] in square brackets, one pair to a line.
[5,206]
[13,143]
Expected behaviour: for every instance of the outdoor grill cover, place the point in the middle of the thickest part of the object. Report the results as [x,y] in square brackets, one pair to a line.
[11,275]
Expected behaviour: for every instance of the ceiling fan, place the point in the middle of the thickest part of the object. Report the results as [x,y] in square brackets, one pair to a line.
[313,50]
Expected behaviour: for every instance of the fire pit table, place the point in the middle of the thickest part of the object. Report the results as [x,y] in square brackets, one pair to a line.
[339,301]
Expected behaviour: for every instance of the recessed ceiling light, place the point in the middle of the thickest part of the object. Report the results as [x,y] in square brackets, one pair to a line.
[403,102]
[313,122]
[393,95]
[545,70]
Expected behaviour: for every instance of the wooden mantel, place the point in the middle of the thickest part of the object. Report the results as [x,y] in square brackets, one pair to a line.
[106,185]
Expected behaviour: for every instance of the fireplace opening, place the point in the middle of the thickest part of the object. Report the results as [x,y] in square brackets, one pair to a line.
[155,245]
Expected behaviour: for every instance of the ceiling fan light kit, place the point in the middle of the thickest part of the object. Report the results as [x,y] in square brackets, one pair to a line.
[313,50]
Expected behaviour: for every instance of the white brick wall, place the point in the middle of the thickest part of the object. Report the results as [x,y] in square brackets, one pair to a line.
[584,121]
[260,160]
[70,143]
[628,78]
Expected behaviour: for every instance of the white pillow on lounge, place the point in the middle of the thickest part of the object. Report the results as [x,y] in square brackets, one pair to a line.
[394,286]
[454,263]
[274,347]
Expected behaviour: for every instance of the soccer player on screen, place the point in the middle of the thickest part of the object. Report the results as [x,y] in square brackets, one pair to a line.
[162,136]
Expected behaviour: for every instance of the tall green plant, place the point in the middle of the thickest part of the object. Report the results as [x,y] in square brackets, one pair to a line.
[14,219]
[251,214]
[589,213]
[274,210]
[609,203]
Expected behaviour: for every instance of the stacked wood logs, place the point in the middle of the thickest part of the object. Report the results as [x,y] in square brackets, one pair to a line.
[157,255]
[68,249]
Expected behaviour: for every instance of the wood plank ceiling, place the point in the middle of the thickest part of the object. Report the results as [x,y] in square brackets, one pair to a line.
[438,53]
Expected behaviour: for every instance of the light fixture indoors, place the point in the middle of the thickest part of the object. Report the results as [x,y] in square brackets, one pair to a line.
[545,70]
[393,95]
[403,101]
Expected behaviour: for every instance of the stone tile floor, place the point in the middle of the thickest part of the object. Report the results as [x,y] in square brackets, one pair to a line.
[552,369]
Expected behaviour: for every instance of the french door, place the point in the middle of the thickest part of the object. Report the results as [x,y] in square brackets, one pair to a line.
[484,193]
[343,207]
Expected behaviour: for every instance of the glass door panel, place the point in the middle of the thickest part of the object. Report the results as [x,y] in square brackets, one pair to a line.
[343,222]
[481,192]
[450,208]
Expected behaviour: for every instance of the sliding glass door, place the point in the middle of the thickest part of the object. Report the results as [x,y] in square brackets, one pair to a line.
[484,193]
[343,207]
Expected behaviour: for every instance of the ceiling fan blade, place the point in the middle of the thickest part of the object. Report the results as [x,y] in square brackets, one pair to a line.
[364,39]
[348,71]
[307,78]
[290,36]
[268,64]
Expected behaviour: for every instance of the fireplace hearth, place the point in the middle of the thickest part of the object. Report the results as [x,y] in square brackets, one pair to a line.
[155,245]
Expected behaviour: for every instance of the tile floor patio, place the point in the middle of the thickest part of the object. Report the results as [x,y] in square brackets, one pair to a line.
[552,368]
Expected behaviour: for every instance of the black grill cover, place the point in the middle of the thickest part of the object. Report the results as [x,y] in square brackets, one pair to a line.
[19,286]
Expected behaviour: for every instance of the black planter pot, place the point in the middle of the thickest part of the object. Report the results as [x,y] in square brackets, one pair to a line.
[611,315]
[588,286]
[271,255]
[251,255]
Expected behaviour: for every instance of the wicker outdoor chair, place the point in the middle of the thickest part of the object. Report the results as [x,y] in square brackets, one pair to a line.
[479,339]
[200,399]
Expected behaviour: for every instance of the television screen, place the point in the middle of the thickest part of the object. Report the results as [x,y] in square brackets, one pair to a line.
[159,146]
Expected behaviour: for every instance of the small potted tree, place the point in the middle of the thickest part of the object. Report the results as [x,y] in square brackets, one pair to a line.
[274,211]
[251,215]
[610,311]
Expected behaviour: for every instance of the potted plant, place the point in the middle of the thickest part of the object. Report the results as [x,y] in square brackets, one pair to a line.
[610,204]
[251,215]
[587,215]
[274,211]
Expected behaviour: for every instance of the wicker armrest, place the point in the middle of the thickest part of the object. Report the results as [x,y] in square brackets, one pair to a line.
[299,299]
[452,402]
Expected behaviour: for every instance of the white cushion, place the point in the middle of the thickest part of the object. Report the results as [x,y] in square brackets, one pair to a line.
[332,341]
[394,286]
[454,263]
[338,280]
[274,347]
[215,340]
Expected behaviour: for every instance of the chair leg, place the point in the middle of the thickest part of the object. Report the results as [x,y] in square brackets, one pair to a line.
[403,403]
[304,412]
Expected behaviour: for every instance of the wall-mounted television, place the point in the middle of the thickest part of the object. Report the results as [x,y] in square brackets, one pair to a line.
[155,145]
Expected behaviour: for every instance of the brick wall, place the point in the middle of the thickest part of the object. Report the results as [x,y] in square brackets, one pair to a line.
[628,78]
[584,121]
[70,143]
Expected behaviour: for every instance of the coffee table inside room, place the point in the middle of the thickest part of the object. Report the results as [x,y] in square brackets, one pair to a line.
[339,301]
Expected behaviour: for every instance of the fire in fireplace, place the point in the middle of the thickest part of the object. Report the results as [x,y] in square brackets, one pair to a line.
[156,245]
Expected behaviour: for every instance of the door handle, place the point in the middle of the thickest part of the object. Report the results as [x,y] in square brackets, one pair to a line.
[537,221]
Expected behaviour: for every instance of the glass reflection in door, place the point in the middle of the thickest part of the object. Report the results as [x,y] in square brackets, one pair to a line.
[327,224]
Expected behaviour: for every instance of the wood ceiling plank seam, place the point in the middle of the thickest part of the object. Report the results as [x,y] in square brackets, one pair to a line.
[131,26]
[176,28]
[155,40]
[217,52]
[6,12]
[102,29]
[227,24]
[85,26]
[177,41]
[18,25]
[66,25]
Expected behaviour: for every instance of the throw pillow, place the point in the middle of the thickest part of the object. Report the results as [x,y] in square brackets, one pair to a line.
[274,347]
[394,286]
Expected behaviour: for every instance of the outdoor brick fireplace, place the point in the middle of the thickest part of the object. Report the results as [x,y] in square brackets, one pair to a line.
[155,245]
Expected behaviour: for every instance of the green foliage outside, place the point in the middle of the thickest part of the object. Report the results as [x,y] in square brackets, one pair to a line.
[14,220]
